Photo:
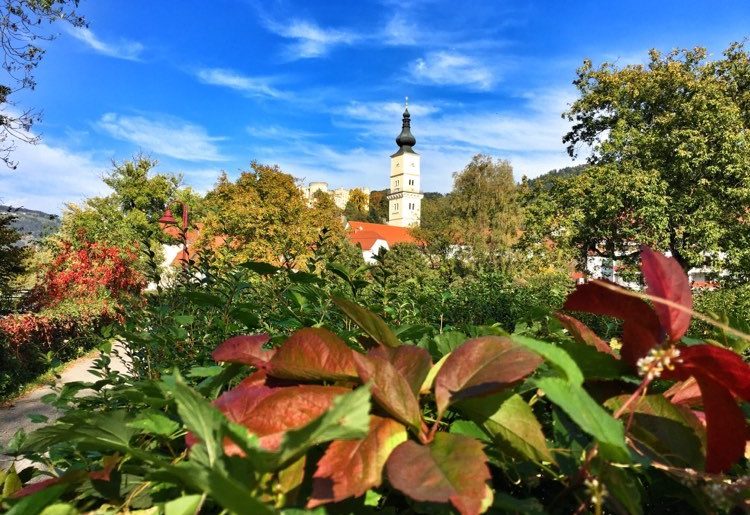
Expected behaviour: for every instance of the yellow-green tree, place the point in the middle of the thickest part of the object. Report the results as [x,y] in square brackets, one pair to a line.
[265,216]
[357,205]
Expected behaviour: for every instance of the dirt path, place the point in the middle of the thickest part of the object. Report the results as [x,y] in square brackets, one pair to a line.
[16,416]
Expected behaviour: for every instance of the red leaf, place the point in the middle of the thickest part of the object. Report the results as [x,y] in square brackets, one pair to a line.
[270,412]
[453,468]
[666,279]
[390,389]
[247,350]
[482,366]
[313,354]
[36,487]
[351,467]
[581,333]
[722,366]
[726,430]
[641,329]
[414,363]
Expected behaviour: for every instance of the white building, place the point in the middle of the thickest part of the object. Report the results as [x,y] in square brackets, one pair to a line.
[405,196]
[340,195]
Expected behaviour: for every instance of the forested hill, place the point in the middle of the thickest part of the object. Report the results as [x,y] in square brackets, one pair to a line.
[33,224]
[568,171]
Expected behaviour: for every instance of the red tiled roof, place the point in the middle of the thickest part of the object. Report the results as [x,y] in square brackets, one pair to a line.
[365,234]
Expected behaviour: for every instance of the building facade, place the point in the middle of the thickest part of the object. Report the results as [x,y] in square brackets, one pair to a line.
[405,196]
[340,195]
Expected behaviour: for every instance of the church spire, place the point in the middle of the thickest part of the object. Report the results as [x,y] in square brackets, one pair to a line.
[406,140]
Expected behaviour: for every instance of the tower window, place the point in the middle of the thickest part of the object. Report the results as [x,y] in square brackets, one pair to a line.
[411,182]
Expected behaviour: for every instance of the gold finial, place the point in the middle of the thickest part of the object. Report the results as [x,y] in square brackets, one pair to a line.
[406,102]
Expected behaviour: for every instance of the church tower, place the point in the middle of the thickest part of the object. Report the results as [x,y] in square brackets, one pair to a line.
[405,197]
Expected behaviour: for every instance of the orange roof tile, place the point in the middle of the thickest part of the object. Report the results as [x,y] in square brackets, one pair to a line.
[365,234]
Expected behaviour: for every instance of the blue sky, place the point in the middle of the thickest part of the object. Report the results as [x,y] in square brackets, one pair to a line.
[318,87]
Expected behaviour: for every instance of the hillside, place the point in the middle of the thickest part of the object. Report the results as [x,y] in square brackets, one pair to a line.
[34,225]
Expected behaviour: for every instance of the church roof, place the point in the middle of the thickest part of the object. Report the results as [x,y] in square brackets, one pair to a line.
[365,234]
[405,140]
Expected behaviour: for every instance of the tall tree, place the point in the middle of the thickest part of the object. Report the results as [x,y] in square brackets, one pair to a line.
[682,121]
[130,214]
[21,32]
[265,215]
[12,256]
[486,210]
[357,205]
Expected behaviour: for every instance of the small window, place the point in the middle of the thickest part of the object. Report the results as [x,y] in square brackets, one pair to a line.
[411,182]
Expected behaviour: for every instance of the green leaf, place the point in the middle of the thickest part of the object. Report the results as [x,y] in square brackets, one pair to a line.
[185,505]
[506,504]
[369,322]
[451,469]
[482,366]
[60,509]
[554,355]
[205,371]
[201,298]
[12,482]
[447,342]
[469,428]
[199,416]
[589,416]
[155,422]
[34,504]
[595,364]
[248,317]
[667,432]
[184,319]
[37,418]
[511,421]
[260,268]
[624,490]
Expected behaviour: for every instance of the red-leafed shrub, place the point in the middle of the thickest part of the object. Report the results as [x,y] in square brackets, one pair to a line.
[78,292]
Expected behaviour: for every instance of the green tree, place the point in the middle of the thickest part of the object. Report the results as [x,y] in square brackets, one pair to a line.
[681,122]
[129,215]
[12,256]
[265,216]
[357,205]
[486,211]
[378,207]
[21,33]
[598,211]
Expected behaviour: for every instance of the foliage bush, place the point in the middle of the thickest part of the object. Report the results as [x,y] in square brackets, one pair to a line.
[80,291]
[336,411]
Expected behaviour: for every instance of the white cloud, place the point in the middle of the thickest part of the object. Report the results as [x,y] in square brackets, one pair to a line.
[129,50]
[400,32]
[452,69]
[311,40]
[49,176]
[167,136]
[254,86]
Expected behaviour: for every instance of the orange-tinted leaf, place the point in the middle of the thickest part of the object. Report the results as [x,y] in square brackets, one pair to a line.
[313,354]
[482,366]
[686,393]
[726,430]
[581,333]
[641,329]
[270,412]
[665,279]
[246,349]
[351,467]
[414,363]
[453,468]
[390,389]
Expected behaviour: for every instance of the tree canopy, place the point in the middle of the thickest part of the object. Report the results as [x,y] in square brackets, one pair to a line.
[672,141]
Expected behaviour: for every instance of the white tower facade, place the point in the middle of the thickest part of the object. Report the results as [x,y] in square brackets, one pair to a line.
[405,196]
